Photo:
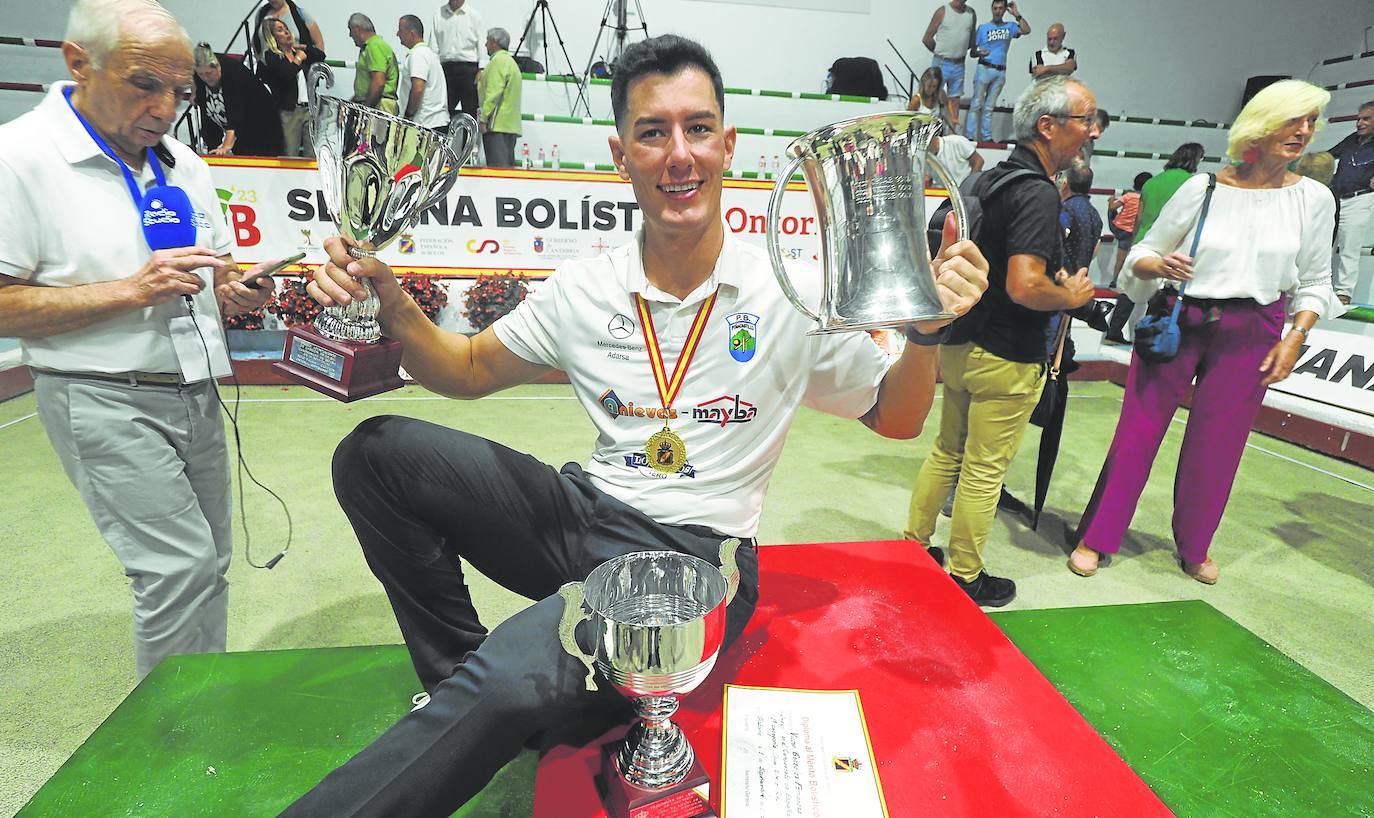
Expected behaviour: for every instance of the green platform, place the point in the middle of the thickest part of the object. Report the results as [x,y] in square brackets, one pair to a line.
[1217,721]
[191,739]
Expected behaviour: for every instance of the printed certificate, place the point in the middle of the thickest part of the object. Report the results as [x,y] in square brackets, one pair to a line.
[797,754]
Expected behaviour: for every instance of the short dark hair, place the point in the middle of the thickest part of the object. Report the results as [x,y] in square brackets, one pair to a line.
[1141,179]
[666,54]
[1186,157]
[1103,119]
[1080,177]
[1369,104]
[413,23]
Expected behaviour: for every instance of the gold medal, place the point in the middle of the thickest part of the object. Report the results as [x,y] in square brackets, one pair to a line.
[666,451]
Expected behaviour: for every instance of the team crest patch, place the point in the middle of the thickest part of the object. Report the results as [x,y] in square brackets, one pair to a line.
[407,244]
[744,335]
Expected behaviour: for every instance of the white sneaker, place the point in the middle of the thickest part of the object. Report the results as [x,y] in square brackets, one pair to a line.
[419,700]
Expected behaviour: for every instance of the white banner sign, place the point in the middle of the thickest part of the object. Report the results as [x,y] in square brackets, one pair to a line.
[1335,368]
[492,221]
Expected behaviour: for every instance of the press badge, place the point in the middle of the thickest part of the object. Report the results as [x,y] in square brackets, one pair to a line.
[199,348]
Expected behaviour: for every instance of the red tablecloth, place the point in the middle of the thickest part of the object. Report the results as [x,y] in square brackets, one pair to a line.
[961,723]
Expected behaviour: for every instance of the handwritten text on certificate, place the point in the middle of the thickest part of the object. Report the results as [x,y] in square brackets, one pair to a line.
[798,754]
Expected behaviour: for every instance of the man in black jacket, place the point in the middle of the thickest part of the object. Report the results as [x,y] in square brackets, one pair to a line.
[237,114]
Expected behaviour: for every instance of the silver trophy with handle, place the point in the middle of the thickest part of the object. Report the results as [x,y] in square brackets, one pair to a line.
[867,178]
[379,173]
[659,623]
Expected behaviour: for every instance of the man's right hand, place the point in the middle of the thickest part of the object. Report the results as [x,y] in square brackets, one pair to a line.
[336,284]
[1078,287]
[170,273]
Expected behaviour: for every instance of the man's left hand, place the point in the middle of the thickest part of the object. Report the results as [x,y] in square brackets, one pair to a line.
[235,297]
[961,276]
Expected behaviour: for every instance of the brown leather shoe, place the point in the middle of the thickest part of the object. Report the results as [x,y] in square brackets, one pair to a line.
[1205,572]
[1083,561]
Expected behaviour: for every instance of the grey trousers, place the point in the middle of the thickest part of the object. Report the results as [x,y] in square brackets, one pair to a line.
[152,465]
[500,149]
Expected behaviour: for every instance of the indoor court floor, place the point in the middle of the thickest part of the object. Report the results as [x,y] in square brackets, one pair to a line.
[1295,551]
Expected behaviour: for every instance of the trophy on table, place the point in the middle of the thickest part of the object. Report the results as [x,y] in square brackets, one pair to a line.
[867,178]
[659,621]
[379,173]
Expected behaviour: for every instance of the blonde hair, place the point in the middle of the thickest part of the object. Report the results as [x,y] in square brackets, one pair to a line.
[1319,166]
[99,26]
[1270,109]
[269,37]
[205,55]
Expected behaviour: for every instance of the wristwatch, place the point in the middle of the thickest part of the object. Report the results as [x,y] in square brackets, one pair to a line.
[921,339]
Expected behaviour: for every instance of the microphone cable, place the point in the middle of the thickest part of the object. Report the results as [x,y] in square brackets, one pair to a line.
[238,449]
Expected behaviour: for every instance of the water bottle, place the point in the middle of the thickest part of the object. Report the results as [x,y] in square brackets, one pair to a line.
[777,165]
[763,166]
[525,155]
[541,156]
[554,156]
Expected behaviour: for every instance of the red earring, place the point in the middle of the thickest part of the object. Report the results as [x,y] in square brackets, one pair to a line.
[1250,157]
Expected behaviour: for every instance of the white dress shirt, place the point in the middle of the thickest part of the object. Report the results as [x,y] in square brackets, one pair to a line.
[458,35]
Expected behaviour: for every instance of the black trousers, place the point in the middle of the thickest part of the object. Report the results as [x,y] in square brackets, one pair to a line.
[461,78]
[1121,314]
[419,496]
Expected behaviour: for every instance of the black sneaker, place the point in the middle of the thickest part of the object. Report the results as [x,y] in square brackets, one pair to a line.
[1115,339]
[938,554]
[987,590]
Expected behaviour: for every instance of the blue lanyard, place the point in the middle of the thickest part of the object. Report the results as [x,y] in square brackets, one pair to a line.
[100,143]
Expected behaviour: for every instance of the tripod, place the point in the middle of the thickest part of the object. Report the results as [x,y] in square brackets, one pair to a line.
[541,8]
[618,41]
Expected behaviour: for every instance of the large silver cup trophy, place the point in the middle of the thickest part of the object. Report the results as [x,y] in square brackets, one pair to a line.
[659,622]
[867,178]
[378,173]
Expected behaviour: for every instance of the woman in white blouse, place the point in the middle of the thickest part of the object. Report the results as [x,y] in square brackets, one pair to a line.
[1265,252]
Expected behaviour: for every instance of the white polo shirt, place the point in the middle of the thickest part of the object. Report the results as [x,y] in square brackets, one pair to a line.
[422,62]
[66,219]
[735,406]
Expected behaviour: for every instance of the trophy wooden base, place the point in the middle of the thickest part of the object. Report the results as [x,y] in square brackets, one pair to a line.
[343,370]
[690,798]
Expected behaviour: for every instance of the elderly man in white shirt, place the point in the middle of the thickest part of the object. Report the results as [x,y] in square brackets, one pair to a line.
[423,89]
[124,339]
[458,37]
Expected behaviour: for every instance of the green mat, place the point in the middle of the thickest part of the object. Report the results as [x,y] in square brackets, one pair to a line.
[1218,722]
[245,734]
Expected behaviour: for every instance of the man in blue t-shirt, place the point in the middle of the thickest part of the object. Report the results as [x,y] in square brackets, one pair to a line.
[990,47]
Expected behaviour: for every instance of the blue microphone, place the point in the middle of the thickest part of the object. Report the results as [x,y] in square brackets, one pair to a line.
[168,218]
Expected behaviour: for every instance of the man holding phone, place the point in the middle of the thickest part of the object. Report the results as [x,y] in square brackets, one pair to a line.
[125,340]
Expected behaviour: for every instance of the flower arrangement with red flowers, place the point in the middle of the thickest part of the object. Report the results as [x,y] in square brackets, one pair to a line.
[292,305]
[430,294]
[246,320]
[492,296]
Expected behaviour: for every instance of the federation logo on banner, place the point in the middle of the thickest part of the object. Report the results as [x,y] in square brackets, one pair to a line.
[744,335]
[538,244]
[846,764]
[406,245]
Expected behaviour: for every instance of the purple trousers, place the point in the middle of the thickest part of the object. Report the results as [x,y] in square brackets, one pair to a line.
[1224,356]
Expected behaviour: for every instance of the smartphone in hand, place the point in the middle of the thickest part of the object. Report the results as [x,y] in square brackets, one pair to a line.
[255,280]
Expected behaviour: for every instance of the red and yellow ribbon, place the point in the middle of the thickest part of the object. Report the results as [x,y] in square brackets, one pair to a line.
[668,387]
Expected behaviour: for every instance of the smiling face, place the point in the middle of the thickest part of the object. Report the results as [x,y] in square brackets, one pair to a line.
[136,96]
[673,147]
[1290,140]
[1364,122]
